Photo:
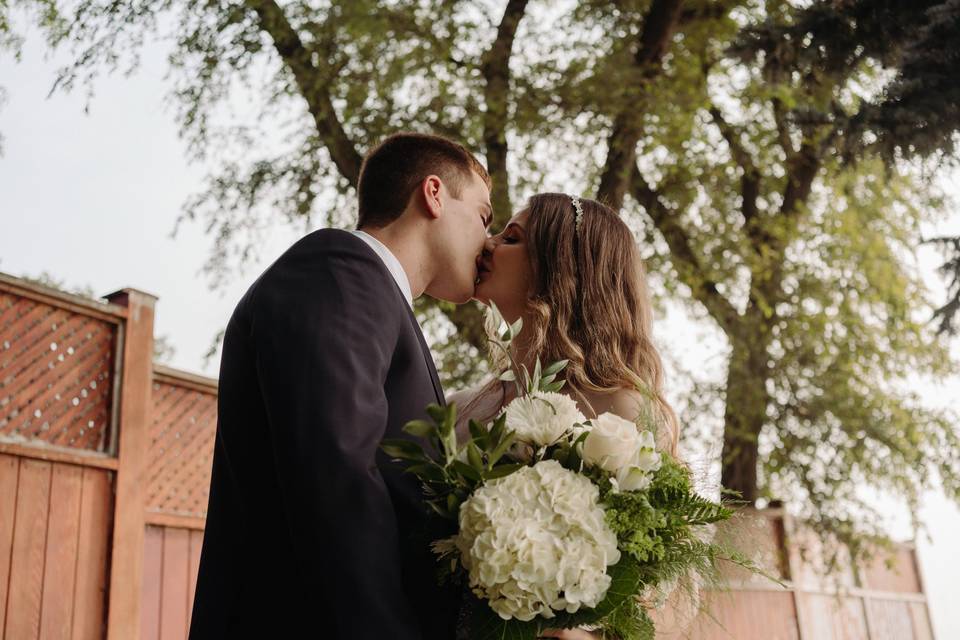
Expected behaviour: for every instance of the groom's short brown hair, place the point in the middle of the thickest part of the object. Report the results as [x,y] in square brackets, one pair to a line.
[393,169]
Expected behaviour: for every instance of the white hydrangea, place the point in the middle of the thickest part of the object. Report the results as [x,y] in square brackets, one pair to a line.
[536,542]
[543,417]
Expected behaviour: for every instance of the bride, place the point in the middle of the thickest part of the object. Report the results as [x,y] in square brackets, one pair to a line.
[570,268]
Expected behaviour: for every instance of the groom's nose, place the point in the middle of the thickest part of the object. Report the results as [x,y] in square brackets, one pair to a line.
[489,245]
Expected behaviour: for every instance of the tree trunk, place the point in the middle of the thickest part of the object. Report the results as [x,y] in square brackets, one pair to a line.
[745,414]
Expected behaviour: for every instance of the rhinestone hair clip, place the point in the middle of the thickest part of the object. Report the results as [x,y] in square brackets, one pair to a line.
[579,209]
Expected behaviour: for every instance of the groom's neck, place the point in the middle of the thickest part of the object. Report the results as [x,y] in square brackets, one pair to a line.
[410,252]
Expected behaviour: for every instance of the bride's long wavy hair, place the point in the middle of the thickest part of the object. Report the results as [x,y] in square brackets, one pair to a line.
[590,303]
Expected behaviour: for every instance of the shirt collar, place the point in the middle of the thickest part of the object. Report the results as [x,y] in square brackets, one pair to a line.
[390,261]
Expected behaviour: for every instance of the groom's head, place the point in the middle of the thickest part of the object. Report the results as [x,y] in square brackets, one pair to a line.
[434,189]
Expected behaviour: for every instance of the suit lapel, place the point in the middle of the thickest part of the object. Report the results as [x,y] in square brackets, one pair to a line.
[428,357]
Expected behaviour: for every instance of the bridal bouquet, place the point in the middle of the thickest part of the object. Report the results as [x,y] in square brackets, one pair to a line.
[561,521]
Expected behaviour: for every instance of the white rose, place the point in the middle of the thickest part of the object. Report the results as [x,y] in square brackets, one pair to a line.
[613,442]
[542,418]
[648,458]
[631,479]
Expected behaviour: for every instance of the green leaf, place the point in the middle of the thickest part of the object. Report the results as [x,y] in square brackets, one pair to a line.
[420,428]
[502,471]
[555,368]
[436,412]
[404,450]
[501,449]
[485,624]
[479,434]
[473,455]
[466,470]
[497,430]
[428,472]
[453,503]
[555,386]
[508,376]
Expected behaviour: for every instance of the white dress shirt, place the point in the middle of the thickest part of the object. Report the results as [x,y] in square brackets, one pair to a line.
[390,261]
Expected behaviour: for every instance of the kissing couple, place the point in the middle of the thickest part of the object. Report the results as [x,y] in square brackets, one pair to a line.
[311,529]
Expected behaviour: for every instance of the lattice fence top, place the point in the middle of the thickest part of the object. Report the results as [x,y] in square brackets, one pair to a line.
[182,430]
[56,375]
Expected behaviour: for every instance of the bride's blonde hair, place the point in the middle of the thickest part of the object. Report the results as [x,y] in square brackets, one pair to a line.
[589,303]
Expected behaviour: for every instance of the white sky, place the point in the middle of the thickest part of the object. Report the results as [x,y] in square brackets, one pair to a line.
[92,199]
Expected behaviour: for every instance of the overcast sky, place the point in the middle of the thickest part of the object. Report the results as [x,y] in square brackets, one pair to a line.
[92,199]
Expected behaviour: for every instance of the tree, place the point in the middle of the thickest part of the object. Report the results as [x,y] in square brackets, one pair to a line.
[722,142]
[917,114]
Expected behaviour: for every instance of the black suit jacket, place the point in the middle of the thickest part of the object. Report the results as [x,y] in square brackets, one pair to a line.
[311,530]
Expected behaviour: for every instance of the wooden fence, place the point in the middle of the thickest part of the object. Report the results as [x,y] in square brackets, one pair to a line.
[104,475]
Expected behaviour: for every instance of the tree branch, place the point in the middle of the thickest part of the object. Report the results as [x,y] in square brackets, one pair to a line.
[692,272]
[658,28]
[496,73]
[750,181]
[314,86]
[783,133]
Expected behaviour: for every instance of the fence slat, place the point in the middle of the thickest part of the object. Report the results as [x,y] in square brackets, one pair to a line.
[29,544]
[173,610]
[152,580]
[9,468]
[89,611]
[63,530]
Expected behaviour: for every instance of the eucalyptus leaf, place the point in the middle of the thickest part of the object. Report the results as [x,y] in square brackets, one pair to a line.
[555,368]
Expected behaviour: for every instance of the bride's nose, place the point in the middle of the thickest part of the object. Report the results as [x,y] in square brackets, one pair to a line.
[489,245]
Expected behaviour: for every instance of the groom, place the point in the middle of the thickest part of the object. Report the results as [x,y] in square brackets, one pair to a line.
[311,530]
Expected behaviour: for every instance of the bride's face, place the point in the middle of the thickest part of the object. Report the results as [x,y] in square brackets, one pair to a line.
[504,269]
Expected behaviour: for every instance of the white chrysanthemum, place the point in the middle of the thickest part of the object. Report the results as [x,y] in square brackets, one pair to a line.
[543,417]
[536,542]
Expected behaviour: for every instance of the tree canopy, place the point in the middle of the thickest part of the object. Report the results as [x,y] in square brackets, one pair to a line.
[747,143]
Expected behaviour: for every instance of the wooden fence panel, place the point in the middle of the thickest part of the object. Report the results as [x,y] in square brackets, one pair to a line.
[180,455]
[738,615]
[104,480]
[95,531]
[29,546]
[9,470]
[152,581]
[889,620]
[60,562]
[56,369]
[827,617]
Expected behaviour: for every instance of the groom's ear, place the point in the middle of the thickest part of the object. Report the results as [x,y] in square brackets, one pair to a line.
[430,189]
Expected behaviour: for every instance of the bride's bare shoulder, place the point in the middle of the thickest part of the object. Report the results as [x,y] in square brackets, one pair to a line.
[631,405]
[624,402]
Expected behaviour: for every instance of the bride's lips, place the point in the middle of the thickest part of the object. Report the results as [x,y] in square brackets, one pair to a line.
[482,270]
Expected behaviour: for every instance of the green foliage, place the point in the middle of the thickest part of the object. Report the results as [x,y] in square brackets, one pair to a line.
[743,210]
